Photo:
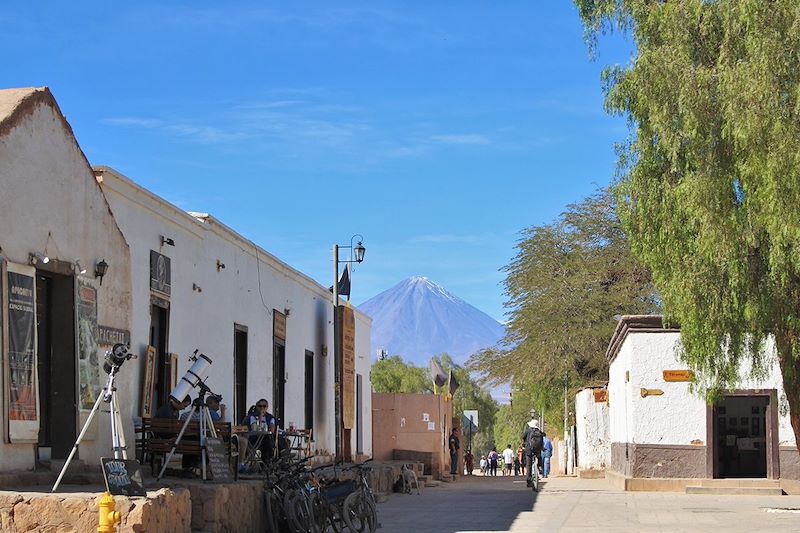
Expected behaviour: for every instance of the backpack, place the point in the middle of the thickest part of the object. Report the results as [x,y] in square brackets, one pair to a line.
[535,440]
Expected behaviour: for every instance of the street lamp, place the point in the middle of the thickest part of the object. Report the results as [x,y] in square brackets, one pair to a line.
[357,256]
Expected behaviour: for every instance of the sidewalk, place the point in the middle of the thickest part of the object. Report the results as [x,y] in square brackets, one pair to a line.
[503,504]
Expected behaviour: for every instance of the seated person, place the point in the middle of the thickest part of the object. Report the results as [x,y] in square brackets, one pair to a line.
[262,420]
[171,411]
[214,410]
[172,408]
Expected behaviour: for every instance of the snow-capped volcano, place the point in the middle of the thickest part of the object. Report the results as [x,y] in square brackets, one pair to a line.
[417,319]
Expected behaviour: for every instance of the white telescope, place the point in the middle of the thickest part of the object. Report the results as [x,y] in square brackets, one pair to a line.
[197,373]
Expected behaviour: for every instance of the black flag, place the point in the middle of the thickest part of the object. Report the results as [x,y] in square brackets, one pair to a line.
[344,282]
[437,374]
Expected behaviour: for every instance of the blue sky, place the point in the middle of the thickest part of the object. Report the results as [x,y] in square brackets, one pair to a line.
[437,130]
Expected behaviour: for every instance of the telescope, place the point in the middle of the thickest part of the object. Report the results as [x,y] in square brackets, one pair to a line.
[193,377]
[115,357]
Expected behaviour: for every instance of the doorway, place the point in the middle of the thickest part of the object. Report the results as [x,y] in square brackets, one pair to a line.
[159,333]
[309,415]
[742,436]
[239,373]
[55,332]
[278,380]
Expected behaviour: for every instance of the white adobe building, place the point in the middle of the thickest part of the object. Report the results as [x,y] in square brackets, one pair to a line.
[592,443]
[659,429]
[267,327]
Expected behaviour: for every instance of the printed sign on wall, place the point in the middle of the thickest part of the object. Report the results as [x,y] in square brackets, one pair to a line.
[88,366]
[160,276]
[23,396]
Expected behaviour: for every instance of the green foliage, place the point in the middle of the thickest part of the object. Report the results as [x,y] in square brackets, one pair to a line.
[394,375]
[567,281]
[710,178]
[470,395]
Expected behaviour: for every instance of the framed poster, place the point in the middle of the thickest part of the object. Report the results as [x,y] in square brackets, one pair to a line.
[148,409]
[21,368]
[173,371]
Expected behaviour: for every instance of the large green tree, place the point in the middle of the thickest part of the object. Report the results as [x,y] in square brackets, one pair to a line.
[710,177]
[566,283]
[392,374]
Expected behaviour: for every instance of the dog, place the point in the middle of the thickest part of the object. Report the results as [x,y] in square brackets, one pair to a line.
[409,479]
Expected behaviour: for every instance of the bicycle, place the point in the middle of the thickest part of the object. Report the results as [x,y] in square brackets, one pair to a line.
[534,470]
[359,509]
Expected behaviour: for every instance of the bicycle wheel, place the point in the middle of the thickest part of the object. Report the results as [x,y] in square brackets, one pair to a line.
[359,514]
[298,514]
[535,475]
[320,512]
[273,504]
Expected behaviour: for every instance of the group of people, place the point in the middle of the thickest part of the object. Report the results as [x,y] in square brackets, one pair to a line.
[258,420]
[517,462]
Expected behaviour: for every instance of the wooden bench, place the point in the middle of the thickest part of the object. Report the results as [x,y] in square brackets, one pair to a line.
[158,437]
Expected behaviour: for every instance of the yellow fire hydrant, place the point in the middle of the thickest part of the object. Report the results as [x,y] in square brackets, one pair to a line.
[109,518]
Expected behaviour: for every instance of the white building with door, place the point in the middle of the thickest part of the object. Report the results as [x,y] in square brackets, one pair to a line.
[659,429]
[173,281]
[57,228]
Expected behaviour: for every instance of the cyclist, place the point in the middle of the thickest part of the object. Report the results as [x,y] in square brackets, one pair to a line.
[533,441]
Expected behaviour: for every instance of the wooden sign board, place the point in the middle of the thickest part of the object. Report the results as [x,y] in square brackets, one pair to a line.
[218,461]
[600,395]
[123,477]
[278,325]
[148,408]
[348,332]
[678,375]
[650,392]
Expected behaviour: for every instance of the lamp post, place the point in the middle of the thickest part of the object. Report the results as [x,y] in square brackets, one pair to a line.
[357,256]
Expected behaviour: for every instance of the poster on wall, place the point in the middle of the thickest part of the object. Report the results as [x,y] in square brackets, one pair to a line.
[22,382]
[348,345]
[88,365]
[148,382]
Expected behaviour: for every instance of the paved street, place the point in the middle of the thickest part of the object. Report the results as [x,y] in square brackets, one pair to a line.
[481,504]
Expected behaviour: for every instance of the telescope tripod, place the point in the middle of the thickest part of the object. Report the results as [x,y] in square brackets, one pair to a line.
[107,395]
[206,426]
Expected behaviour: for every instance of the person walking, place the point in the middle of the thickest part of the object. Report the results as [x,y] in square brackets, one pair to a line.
[483,465]
[469,462]
[547,453]
[493,461]
[508,460]
[454,444]
[521,459]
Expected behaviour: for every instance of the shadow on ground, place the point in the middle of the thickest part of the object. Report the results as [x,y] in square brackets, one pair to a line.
[473,503]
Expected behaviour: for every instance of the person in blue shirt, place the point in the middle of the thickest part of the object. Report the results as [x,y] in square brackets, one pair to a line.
[547,453]
[262,420]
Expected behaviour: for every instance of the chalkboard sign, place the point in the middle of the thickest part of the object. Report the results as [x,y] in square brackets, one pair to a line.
[218,461]
[123,477]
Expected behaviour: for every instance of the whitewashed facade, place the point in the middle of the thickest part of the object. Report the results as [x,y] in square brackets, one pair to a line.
[207,303]
[659,428]
[223,290]
[591,430]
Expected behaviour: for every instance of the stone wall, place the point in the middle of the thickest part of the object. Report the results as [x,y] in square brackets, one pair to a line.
[658,461]
[790,462]
[165,510]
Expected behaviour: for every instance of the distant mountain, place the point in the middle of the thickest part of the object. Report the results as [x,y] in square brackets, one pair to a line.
[418,319]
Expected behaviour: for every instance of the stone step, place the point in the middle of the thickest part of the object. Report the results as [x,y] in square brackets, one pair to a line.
[736,491]
[744,482]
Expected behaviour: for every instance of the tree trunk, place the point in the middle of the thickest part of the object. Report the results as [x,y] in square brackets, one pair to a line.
[790,372]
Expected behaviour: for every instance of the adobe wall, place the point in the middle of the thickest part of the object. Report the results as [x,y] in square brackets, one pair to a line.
[399,423]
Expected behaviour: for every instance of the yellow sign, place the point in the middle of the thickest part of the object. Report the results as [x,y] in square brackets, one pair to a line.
[678,375]
[348,332]
[600,395]
[650,392]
